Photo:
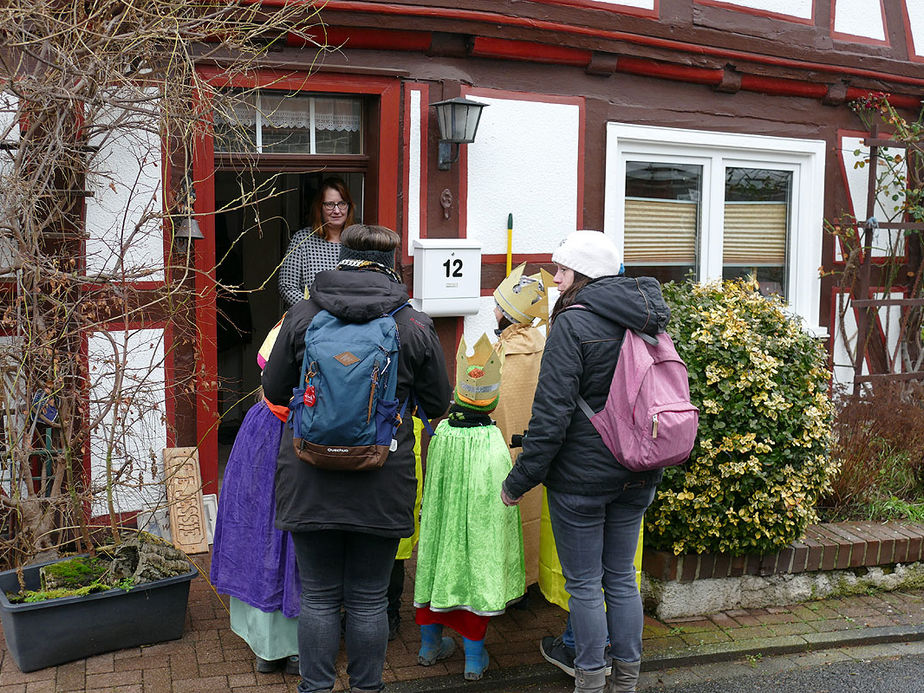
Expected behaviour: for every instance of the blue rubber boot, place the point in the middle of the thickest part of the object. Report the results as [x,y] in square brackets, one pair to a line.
[433,646]
[476,659]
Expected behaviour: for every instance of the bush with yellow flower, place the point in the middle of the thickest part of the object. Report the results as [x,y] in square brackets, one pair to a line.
[761,459]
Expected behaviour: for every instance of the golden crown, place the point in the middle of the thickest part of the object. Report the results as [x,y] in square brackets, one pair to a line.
[478,376]
[523,299]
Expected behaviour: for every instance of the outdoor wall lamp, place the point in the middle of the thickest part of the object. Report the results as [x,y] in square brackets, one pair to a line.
[185,231]
[458,120]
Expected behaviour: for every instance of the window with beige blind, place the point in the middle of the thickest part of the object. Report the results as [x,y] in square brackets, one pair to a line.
[711,205]
[756,226]
[662,219]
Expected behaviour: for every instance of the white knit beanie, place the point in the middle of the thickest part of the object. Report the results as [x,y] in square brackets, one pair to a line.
[589,252]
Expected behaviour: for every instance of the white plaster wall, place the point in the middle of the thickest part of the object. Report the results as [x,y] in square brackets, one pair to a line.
[473,326]
[843,364]
[859,18]
[9,127]
[885,242]
[793,8]
[414,170]
[9,131]
[126,187]
[524,161]
[141,431]
[14,418]
[889,317]
[915,10]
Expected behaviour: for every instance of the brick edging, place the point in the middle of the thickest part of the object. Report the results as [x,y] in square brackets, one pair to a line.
[827,546]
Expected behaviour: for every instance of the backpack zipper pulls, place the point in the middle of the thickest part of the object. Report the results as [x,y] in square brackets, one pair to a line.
[375,382]
[654,426]
[309,398]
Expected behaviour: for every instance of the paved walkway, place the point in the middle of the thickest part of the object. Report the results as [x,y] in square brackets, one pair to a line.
[209,657]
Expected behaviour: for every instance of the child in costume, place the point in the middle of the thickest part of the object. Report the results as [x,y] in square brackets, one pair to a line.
[521,301]
[470,555]
[252,561]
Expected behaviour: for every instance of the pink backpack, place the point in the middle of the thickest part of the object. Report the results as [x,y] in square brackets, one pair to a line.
[648,421]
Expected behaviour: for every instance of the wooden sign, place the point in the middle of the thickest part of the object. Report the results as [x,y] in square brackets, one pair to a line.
[184,500]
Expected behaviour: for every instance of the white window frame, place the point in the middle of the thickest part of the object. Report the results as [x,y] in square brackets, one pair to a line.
[715,151]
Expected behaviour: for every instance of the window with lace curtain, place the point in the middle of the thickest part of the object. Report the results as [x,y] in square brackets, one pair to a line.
[718,205]
[266,122]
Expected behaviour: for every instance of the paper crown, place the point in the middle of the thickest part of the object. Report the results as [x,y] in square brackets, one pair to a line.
[478,376]
[523,299]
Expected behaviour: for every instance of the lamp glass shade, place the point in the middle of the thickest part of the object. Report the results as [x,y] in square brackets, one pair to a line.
[458,119]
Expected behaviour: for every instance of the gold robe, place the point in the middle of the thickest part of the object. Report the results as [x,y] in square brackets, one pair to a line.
[523,347]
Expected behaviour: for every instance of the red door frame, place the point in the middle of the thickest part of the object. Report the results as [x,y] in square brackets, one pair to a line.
[386,171]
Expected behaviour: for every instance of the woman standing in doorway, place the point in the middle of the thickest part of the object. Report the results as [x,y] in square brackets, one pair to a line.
[316,248]
[595,504]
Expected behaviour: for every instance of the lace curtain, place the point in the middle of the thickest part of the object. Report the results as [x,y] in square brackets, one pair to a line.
[280,111]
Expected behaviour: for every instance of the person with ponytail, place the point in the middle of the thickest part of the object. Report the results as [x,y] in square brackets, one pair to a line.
[595,504]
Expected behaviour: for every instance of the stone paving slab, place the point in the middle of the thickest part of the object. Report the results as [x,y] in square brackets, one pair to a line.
[210,657]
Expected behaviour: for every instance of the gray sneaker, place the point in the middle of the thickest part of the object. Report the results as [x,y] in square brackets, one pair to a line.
[555,652]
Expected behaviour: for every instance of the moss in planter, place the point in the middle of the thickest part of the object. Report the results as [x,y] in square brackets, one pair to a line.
[75,577]
[33,596]
[74,573]
[140,559]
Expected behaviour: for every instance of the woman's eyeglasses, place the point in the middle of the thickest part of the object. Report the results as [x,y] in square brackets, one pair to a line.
[329,206]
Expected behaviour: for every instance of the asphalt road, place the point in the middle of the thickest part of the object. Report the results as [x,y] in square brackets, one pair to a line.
[897,668]
[901,675]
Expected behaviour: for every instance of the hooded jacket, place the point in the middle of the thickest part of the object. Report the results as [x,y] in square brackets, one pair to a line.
[378,501]
[562,449]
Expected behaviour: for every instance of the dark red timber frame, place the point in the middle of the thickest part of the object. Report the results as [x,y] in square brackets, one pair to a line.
[382,181]
[608,7]
[735,7]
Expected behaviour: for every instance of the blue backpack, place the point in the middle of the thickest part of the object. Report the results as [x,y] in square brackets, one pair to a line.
[344,414]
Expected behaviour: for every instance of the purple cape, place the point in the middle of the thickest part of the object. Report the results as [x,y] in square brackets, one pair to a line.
[251,559]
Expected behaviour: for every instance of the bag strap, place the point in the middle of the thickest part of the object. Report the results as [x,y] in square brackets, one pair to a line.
[649,338]
[422,415]
[584,407]
[403,305]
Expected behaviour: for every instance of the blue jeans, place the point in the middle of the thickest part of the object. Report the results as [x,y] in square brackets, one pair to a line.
[350,570]
[596,537]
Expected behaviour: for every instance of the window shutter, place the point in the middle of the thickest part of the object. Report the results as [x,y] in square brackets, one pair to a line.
[755,233]
[660,232]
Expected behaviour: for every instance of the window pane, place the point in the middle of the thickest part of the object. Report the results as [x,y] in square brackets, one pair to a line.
[662,219]
[756,233]
[338,124]
[280,123]
[236,130]
[286,123]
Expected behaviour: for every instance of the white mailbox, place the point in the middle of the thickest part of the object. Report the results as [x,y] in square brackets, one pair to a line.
[447,276]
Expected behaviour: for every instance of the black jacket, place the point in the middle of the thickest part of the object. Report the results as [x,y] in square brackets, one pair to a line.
[379,501]
[562,449]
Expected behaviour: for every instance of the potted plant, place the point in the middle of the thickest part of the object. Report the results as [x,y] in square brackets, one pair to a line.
[106,602]
[99,110]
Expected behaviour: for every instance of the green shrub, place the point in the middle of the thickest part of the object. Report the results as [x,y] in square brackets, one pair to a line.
[761,458]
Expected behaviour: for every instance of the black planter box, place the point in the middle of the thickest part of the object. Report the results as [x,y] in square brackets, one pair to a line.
[52,632]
